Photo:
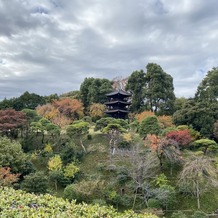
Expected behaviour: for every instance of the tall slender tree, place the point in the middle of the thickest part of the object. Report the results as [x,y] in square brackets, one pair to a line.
[136,84]
[159,90]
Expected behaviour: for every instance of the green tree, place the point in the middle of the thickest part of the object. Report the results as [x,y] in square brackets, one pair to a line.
[78,129]
[208,88]
[94,90]
[205,145]
[11,155]
[159,90]
[35,182]
[136,84]
[105,121]
[202,111]
[200,115]
[41,126]
[149,125]
[215,130]
[28,100]
[53,130]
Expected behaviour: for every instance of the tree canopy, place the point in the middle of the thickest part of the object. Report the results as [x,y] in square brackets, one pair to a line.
[94,90]
[153,90]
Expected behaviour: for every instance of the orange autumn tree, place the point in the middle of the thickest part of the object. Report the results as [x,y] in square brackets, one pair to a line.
[143,115]
[6,177]
[71,108]
[47,111]
[164,148]
[51,113]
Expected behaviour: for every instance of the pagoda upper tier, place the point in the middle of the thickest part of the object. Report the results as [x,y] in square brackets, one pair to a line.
[118,104]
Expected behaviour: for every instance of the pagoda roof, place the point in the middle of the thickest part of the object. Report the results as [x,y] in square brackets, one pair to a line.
[117,101]
[119,92]
[115,111]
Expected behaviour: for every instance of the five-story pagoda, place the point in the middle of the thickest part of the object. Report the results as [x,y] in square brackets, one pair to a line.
[118,104]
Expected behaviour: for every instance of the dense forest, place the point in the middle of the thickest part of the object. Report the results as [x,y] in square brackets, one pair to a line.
[162,160]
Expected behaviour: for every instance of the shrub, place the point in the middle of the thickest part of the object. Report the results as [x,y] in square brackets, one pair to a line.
[199,214]
[178,214]
[154,203]
[35,182]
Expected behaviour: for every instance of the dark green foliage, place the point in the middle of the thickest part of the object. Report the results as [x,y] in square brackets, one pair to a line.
[31,115]
[199,214]
[35,182]
[89,137]
[215,130]
[11,155]
[154,203]
[124,145]
[51,98]
[179,103]
[6,103]
[69,153]
[152,90]
[208,88]
[178,214]
[94,90]
[103,122]
[159,91]
[136,84]
[200,115]
[57,177]
[113,126]
[149,126]
[85,190]
[202,111]
[27,100]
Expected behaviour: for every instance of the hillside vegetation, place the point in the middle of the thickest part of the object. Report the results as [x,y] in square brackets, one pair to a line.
[163,158]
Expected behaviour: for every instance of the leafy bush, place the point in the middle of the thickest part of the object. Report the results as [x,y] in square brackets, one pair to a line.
[14,203]
[199,214]
[35,182]
[178,214]
[154,203]
[84,190]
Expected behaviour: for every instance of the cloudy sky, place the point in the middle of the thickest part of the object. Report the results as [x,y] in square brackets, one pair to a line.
[51,46]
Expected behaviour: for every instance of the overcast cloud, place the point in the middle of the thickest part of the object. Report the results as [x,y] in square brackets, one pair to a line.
[51,46]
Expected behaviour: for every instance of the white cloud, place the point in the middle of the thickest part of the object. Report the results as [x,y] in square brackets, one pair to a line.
[50,46]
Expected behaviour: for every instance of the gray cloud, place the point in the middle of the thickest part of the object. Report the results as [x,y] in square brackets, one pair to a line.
[50,46]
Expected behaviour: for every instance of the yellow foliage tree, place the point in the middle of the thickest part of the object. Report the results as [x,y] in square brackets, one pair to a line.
[55,163]
[97,110]
[143,115]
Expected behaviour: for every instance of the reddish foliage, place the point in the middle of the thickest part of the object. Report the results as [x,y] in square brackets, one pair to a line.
[6,177]
[182,137]
[11,120]
[163,147]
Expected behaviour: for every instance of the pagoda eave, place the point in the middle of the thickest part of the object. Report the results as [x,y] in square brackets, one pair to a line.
[117,102]
[116,111]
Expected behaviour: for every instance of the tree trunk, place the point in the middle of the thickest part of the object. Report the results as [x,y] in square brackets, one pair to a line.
[134,199]
[81,143]
[198,194]
[56,185]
